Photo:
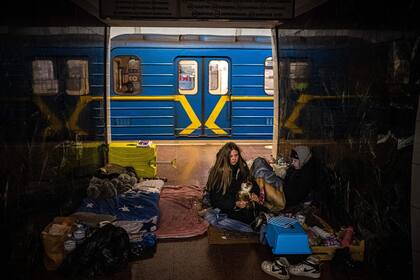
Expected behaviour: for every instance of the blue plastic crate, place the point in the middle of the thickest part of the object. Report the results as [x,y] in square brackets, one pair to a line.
[290,240]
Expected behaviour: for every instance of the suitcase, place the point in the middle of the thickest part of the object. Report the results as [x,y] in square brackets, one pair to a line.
[142,159]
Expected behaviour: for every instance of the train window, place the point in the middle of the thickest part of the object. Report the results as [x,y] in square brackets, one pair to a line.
[299,75]
[218,77]
[77,78]
[187,76]
[268,76]
[44,80]
[126,74]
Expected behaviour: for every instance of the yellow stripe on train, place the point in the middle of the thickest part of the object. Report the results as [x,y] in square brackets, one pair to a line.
[195,122]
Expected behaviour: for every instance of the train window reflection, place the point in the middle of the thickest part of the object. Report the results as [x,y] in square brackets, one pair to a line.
[268,76]
[299,75]
[187,76]
[44,81]
[126,75]
[77,78]
[218,77]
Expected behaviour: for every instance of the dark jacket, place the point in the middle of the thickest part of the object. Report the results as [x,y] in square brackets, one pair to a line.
[299,183]
[227,202]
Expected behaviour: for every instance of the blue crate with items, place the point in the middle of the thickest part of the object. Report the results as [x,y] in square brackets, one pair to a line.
[286,236]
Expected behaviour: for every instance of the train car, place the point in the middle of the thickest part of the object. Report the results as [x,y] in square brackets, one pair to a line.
[190,86]
[51,104]
[53,87]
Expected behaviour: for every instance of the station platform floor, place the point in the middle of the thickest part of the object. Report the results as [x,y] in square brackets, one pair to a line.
[194,258]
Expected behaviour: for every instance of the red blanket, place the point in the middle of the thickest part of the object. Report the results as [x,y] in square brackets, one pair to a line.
[178,212]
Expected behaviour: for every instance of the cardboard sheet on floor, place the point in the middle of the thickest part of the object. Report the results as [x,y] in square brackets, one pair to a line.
[220,236]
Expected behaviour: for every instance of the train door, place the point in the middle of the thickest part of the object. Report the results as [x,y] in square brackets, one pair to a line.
[217,94]
[203,109]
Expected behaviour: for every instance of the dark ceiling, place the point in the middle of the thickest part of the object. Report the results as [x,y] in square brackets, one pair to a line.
[350,14]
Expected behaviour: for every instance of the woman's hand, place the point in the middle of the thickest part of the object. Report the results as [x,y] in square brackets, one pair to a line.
[255,197]
[240,204]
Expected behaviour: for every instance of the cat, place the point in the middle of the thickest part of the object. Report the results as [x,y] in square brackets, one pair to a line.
[245,194]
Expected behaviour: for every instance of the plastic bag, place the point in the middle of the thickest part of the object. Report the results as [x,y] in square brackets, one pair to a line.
[106,251]
[53,237]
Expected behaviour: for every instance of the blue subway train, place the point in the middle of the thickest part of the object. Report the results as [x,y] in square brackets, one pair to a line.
[186,87]
[180,87]
[162,87]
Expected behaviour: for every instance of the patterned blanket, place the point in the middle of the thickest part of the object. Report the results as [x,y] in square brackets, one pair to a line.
[137,211]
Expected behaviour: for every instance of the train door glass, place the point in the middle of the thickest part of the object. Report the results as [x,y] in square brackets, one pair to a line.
[188,120]
[216,97]
[203,88]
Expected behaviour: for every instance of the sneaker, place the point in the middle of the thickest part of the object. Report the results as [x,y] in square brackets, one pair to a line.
[278,268]
[308,268]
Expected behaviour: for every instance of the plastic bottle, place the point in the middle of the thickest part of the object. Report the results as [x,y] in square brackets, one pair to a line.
[320,232]
[347,237]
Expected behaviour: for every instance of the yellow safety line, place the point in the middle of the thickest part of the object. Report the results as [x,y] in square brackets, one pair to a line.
[210,123]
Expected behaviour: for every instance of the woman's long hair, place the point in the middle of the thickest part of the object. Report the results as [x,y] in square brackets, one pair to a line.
[221,173]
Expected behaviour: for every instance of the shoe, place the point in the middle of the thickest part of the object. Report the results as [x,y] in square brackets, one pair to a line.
[278,268]
[308,268]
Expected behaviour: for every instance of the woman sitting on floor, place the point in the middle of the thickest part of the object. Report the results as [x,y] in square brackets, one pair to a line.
[224,185]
